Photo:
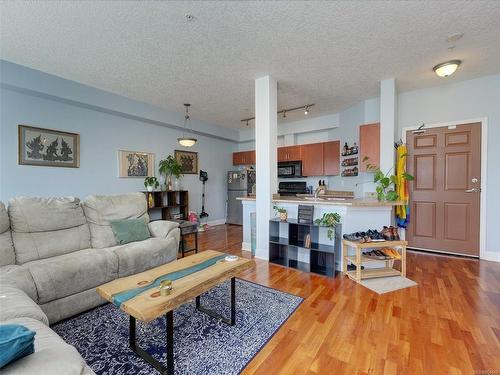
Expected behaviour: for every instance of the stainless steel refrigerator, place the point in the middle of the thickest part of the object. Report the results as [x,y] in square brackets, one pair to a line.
[239,184]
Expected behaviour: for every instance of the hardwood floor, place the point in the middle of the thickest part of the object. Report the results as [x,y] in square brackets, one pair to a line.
[448,324]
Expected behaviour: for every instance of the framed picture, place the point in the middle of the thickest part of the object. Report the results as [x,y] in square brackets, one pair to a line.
[188,160]
[136,164]
[47,147]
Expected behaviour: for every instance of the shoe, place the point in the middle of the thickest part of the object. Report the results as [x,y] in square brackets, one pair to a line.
[395,254]
[387,234]
[352,267]
[395,233]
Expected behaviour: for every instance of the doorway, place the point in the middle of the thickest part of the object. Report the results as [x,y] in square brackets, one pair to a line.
[445,197]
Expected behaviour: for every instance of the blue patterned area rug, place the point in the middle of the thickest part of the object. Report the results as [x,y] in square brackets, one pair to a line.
[202,344]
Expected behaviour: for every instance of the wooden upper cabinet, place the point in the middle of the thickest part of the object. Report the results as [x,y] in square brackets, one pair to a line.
[289,153]
[243,157]
[369,145]
[312,159]
[331,158]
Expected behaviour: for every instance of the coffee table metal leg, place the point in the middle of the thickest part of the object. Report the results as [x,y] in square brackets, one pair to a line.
[169,369]
[232,320]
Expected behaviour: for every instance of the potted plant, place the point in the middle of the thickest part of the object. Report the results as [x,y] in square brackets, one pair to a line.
[151,183]
[385,181]
[169,168]
[329,220]
[282,213]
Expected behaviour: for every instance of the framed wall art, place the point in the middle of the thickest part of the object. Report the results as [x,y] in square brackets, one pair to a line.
[48,147]
[188,160]
[136,164]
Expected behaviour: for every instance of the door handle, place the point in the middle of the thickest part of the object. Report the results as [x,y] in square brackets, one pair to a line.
[473,190]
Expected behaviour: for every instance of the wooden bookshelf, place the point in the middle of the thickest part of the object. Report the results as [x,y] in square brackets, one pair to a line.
[173,204]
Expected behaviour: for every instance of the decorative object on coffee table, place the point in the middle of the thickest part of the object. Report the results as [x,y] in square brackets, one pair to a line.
[188,161]
[136,164]
[190,278]
[47,147]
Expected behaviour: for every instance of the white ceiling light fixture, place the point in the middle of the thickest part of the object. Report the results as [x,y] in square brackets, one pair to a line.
[447,68]
[187,141]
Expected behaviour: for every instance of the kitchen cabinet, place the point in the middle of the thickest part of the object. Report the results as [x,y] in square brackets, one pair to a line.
[369,145]
[289,153]
[244,158]
[331,158]
[312,159]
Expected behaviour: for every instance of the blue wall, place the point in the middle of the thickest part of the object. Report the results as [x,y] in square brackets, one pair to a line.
[106,123]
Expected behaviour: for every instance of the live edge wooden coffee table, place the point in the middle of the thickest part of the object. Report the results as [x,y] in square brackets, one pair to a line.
[138,295]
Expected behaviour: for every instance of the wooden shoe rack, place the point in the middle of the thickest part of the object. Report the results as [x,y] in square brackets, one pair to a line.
[358,259]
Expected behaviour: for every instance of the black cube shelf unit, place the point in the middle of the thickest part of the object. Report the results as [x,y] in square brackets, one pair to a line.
[284,251]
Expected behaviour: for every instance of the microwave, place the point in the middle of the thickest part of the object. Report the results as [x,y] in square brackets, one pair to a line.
[290,169]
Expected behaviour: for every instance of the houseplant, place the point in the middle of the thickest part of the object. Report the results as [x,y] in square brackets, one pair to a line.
[151,183]
[385,181]
[169,168]
[282,212]
[329,220]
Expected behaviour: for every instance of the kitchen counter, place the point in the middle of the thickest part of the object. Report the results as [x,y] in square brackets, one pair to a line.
[356,202]
[357,215]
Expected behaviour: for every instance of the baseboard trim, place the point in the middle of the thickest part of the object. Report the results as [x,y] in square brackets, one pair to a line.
[491,256]
[246,246]
[216,222]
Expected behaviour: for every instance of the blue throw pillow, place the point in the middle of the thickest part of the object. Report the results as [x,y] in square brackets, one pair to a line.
[130,230]
[16,341]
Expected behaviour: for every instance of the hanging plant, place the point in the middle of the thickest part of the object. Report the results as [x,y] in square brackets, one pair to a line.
[329,220]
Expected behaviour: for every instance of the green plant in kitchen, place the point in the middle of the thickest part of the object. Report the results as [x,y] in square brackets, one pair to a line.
[329,220]
[283,214]
[170,167]
[151,183]
[385,181]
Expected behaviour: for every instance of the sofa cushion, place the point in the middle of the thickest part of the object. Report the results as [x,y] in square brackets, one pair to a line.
[47,227]
[140,256]
[52,355]
[16,342]
[18,277]
[100,210]
[7,255]
[63,275]
[16,304]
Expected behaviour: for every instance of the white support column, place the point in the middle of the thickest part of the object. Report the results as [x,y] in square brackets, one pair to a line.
[266,124]
[388,128]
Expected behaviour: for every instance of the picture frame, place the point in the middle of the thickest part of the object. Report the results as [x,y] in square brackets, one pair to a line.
[136,164]
[47,147]
[188,160]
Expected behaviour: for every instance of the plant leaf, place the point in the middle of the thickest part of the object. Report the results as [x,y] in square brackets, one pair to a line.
[408,177]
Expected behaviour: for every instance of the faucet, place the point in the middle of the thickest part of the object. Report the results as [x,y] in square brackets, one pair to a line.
[318,190]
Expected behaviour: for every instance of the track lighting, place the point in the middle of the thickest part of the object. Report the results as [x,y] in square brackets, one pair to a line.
[306,108]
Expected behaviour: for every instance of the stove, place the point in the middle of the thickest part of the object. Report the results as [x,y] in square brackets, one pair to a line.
[292,188]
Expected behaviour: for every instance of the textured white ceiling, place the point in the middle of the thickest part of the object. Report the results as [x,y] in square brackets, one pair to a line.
[329,53]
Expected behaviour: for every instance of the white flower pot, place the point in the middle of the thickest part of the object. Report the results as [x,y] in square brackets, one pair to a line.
[150,188]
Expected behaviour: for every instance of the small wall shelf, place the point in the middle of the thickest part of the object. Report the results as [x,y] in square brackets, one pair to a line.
[291,251]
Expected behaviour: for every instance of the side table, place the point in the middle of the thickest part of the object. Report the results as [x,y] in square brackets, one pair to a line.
[189,233]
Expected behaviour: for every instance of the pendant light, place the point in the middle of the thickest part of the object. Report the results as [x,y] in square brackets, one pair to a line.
[187,141]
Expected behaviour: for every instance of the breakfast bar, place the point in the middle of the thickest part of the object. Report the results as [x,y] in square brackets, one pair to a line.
[356,214]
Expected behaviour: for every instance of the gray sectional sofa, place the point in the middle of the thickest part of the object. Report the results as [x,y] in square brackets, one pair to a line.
[54,252]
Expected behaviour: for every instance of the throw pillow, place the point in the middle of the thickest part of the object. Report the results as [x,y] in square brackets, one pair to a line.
[130,230]
[16,341]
